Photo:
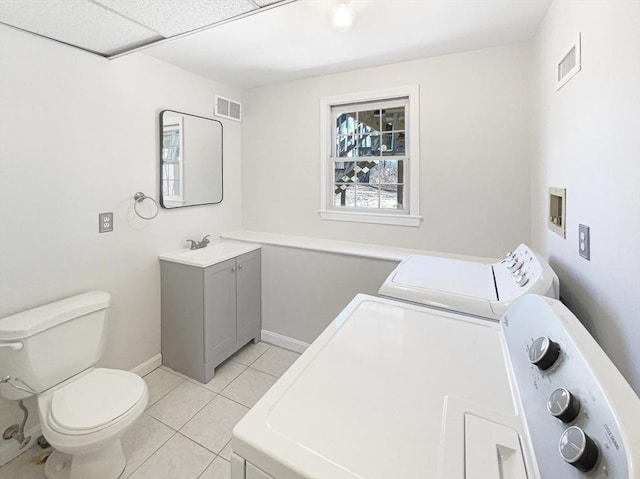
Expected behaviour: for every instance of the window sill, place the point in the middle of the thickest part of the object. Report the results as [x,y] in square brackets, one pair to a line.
[375,218]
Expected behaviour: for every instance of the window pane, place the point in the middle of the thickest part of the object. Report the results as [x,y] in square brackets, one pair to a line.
[344,172]
[344,195]
[393,118]
[391,197]
[346,146]
[367,196]
[369,121]
[369,145]
[345,124]
[363,171]
[387,171]
[393,143]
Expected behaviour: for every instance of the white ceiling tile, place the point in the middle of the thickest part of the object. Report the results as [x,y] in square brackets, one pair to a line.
[77,22]
[171,18]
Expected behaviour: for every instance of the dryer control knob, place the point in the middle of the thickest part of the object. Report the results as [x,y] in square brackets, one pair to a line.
[543,352]
[578,449]
[563,405]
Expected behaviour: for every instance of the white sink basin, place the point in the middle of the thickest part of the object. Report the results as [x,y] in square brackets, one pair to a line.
[215,252]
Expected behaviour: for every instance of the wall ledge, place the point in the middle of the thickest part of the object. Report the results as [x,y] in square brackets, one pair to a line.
[366,250]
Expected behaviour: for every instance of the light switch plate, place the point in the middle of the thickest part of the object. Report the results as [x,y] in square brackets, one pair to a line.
[105,222]
[584,242]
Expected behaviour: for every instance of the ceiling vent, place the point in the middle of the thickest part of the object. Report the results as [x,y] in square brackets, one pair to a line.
[228,108]
[569,64]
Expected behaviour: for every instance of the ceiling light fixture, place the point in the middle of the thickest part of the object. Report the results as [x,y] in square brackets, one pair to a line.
[342,16]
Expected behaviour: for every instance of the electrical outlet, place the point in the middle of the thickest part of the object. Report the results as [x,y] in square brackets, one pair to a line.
[584,242]
[105,222]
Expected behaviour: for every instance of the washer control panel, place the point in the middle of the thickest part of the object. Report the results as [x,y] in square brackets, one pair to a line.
[570,418]
[522,272]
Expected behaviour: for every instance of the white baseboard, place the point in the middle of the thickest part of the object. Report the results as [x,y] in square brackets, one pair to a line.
[10,450]
[149,365]
[285,342]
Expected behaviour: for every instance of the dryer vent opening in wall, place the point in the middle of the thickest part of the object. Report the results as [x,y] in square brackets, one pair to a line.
[228,108]
[570,63]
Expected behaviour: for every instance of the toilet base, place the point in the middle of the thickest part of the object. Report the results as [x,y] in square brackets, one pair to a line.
[105,463]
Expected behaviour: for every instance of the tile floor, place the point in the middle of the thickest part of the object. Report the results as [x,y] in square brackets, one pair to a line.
[185,432]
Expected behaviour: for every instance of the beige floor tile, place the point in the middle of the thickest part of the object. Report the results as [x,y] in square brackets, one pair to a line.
[213,425]
[178,458]
[225,373]
[250,353]
[161,382]
[27,465]
[249,387]
[218,469]
[275,361]
[181,404]
[145,437]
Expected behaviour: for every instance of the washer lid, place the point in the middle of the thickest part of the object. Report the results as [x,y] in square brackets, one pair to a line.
[95,399]
[457,277]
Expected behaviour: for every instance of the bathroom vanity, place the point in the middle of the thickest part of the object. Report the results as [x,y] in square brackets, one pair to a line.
[211,305]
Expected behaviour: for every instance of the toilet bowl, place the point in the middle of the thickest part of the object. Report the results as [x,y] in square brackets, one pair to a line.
[50,352]
[84,418]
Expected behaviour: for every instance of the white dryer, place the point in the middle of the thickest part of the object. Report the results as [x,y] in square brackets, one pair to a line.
[470,287]
[392,390]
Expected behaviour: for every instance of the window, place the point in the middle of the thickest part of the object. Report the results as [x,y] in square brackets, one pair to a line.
[368,171]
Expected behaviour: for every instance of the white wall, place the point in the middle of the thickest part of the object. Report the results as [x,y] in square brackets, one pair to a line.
[474,139]
[79,136]
[588,141]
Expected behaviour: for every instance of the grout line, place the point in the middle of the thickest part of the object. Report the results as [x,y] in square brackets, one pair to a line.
[194,414]
[215,456]
[202,445]
[152,454]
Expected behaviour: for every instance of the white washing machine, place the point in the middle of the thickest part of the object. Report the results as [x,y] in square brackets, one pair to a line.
[478,289]
[392,390]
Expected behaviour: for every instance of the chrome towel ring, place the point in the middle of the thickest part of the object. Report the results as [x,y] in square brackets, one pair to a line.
[139,197]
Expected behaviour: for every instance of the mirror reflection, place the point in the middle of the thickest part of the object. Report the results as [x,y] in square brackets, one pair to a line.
[190,160]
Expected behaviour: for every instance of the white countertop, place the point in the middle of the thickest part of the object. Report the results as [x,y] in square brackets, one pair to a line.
[215,252]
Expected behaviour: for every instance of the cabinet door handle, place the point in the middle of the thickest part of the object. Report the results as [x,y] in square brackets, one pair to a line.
[233,269]
[239,266]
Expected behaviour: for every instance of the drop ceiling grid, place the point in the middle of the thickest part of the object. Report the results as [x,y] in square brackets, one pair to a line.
[81,23]
[171,18]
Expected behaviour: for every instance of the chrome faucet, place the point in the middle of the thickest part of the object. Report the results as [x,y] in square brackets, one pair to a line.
[199,244]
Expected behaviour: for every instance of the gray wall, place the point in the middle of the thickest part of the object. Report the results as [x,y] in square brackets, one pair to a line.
[304,290]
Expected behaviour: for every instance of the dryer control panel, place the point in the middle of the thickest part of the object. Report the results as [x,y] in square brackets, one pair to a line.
[583,419]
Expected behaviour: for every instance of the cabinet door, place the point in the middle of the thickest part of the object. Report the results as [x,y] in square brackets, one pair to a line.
[219,310]
[249,296]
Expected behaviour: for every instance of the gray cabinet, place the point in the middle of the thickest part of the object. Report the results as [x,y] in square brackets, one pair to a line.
[209,313]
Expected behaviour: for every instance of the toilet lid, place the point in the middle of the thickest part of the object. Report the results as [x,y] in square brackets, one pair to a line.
[95,399]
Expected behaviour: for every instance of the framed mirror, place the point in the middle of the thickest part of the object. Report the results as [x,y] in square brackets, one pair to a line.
[190,160]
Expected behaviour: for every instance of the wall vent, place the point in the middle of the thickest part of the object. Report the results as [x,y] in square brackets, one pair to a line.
[570,63]
[227,108]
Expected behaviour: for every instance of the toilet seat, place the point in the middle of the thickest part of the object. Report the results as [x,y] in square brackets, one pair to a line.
[94,401]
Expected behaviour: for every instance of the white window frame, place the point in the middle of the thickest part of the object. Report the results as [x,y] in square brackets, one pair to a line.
[410,216]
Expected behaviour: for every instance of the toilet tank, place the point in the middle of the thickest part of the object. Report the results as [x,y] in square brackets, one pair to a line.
[44,346]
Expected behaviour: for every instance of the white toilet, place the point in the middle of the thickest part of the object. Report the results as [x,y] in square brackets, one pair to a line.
[50,351]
